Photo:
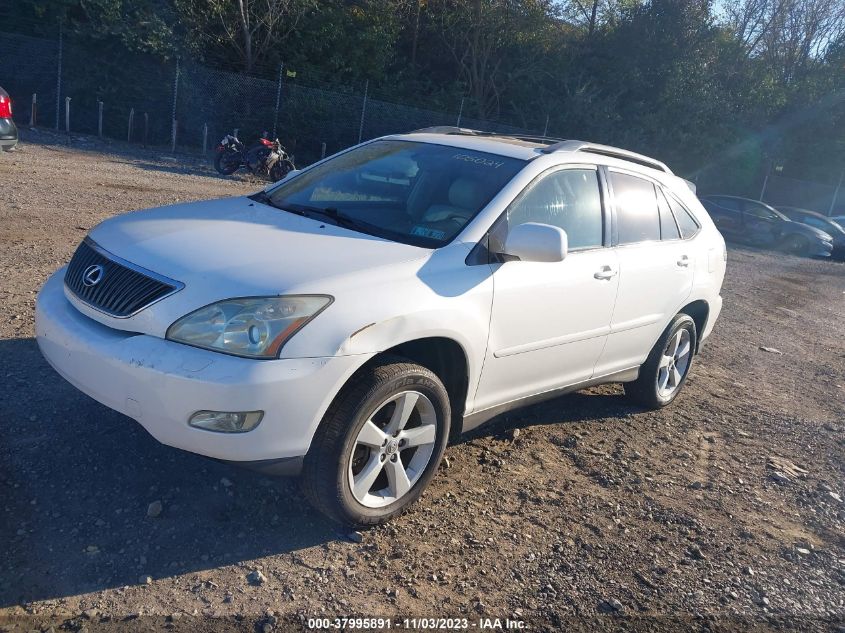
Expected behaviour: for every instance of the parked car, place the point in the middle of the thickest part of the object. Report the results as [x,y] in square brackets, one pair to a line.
[822,223]
[344,323]
[757,224]
[8,129]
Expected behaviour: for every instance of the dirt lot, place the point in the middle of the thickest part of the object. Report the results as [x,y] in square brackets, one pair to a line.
[580,513]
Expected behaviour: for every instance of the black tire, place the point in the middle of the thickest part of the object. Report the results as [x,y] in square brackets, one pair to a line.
[644,390]
[280,169]
[326,469]
[227,163]
[796,245]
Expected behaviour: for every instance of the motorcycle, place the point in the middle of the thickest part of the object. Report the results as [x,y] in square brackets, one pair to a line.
[265,158]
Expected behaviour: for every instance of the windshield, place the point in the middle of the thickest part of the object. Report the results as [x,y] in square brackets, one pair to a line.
[417,193]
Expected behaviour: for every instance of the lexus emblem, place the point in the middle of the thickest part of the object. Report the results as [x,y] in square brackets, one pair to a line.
[93,275]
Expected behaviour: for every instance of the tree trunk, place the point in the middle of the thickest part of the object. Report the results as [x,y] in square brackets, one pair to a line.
[245,27]
[416,34]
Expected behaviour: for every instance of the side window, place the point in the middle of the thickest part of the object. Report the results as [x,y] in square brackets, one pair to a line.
[809,219]
[636,209]
[668,228]
[759,211]
[727,203]
[688,224]
[569,199]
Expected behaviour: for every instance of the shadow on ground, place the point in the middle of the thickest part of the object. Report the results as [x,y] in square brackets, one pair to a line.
[156,159]
[76,480]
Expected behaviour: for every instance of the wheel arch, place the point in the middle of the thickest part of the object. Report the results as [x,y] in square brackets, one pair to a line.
[448,359]
[699,311]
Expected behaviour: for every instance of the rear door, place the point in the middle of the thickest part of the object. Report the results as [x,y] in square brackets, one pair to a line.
[655,270]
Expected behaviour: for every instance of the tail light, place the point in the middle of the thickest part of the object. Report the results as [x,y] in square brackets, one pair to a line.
[5,107]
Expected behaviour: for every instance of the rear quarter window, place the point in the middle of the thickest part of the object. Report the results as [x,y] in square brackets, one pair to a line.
[687,223]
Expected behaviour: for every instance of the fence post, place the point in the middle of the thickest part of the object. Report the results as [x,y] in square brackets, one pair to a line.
[59,74]
[546,129]
[363,110]
[278,100]
[836,193]
[173,116]
[33,114]
[67,115]
[204,138]
[460,113]
[322,150]
[129,127]
[99,118]
[766,181]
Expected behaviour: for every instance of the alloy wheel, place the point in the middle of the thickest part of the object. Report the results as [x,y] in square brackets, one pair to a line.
[392,449]
[674,363]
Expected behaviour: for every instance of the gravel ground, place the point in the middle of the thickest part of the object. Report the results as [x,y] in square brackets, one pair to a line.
[722,511]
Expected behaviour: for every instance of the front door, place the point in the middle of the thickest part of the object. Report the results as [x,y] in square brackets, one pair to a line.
[762,226]
[550,321]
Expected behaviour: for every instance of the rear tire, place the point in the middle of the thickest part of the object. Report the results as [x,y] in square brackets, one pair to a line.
[665,371]
[226,163]
[357,471]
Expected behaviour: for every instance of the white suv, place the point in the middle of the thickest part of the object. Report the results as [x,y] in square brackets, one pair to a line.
[344,323]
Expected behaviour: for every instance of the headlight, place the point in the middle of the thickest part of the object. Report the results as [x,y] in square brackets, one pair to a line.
[255,327]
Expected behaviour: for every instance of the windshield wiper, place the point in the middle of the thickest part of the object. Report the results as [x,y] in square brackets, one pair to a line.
[335,216]
[306,211]
[264,198]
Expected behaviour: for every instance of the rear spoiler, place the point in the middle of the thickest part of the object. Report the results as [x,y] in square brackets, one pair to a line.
[689,184]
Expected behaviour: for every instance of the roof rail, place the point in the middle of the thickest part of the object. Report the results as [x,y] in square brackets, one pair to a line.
[607,150]
[447,129]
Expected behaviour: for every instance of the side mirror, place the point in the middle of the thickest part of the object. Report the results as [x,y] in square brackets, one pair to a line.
[534,242]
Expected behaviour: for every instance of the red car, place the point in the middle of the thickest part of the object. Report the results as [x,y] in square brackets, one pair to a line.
[8,130]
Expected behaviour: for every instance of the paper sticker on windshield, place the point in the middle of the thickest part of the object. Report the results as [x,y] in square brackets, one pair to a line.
[423,231]
[482,161]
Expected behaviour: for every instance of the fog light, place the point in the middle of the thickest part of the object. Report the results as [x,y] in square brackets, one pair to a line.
[226,421]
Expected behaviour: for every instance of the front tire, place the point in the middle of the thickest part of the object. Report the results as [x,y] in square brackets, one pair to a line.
[280,169]
[379,443]
[665,371]
[796,245]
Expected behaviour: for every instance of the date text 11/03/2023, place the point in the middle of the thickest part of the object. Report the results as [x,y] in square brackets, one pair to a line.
[415,624]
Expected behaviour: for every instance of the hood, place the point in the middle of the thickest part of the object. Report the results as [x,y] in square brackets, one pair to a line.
[235,247]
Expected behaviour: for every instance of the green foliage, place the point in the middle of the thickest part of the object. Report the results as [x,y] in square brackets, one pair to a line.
[718,98]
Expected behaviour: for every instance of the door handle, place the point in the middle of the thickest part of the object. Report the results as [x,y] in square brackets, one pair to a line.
[683,262]
[605,272]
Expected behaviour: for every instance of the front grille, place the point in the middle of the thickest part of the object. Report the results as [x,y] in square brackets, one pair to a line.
[119,288]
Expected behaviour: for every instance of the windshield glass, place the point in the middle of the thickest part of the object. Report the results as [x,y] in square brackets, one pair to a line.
[417,193]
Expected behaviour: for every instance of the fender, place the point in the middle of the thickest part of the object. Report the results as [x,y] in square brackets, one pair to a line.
[382,336]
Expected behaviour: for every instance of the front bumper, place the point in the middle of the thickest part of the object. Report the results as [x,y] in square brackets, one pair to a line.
[160,384]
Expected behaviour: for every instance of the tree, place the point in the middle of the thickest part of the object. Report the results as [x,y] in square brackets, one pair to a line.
[248,28]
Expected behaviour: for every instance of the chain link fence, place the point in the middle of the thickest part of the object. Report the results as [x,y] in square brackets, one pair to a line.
[825,198]
[190,107]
